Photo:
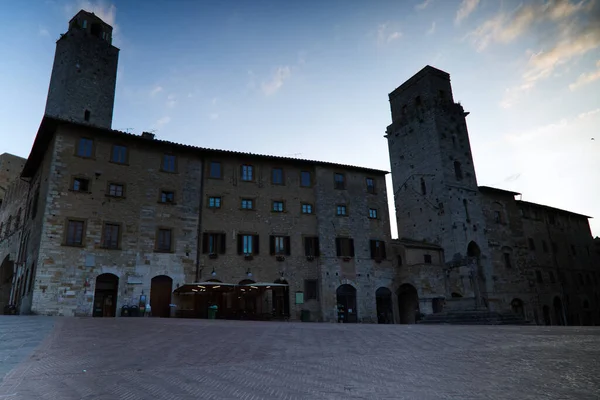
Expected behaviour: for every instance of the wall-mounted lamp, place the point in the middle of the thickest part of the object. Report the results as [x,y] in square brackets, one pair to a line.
[249,273]
[213,273]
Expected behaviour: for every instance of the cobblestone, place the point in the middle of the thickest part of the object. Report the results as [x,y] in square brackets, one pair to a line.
[142,358]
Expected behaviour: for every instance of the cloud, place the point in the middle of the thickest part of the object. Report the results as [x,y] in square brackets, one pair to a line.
[586,78]
[465,9]
[384,35]
[431,30]
[171,101]
[423,5]
[587,114]
[43,31]
[163,121]
[213,116]
[214,101]
[276,82]
[156,90]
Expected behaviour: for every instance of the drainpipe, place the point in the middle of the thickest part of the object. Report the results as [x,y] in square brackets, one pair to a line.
[200,208]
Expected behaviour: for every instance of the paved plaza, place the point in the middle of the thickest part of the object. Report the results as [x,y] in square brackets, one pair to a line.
[150,358]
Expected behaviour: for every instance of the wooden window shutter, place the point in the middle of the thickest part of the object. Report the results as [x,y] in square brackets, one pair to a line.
[383,255]
[255,244]
[338,246]
[288,249]
[240,244]
[272,245]
[205,243]
[373,247]
[316,244]
[306,246]
[351,247]
[222,246]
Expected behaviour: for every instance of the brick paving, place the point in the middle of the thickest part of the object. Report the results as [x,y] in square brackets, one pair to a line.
[147,358]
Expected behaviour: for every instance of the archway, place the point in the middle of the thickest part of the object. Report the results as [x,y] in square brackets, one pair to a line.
[6,277]
[408,304]
[248,298]
[546,312]
[346,301]
[587,314]
[383,297]
[558,311]
[281,300]
[105,295]
[516,305]
[161,287]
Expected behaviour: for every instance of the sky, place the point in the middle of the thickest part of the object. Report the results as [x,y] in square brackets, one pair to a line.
[310,79]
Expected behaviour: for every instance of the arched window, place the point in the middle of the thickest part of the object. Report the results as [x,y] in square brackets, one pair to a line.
[423,187]
[457,171]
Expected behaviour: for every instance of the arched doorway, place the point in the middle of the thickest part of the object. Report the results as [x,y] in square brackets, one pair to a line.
[161,287]
[516,305]
[105,295]
[383,297]
[281,300]
[558,311]
[546,312]
[248,298]
[587,314]
[6,277]
[346,301]
[408,304]
[477,273]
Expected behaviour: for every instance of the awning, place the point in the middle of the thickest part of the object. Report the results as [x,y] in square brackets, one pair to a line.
[264,284]
[207,286]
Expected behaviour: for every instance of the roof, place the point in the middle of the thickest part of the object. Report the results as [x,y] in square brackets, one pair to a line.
[553,209]
[88,14]
[49,125]
[490,189]
[427,70]
[406,242]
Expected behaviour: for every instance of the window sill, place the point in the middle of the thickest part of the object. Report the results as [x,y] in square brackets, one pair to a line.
[218,178]
[80,191]
[126,164]
[112,196]
[167,203]
[109,248]
[247,209]
[163,251]
[168,172]
[73,245]
[85,157]
[341,215]
[247,181]
[278,212]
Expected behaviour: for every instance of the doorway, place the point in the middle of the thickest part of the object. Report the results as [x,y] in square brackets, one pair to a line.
[6,277]
[558,311]
[516,305]
[281,300]
[160,296]
[383,298]
[346,302]
[105,295]
[546,312]
[408,304]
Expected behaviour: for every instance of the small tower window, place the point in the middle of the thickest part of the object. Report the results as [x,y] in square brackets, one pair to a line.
[458,171]
[86,115]
[84,25]
[466,206]
[423,187]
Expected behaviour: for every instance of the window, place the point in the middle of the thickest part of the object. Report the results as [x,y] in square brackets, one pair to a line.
[247,244]
[85,147]
[74,233]
[427,258]
[280,245]
[399,260]
[497,217]
[116,190]
[551,276]
[213,243]
[507,262]
[215,170]
[457,171]
[423,187]
[307,208]
[214,202]
[544,246]
[466,206]
[277,206]
[110,237]
[119,154]
[370,185]
[344,247]
[164,240]
[538,277]
[277,176]
[339,181]
[311,291]
[377,249]
[247,173]
[305,179]
[372,213]
[311,246]
[86,115]
[531,244]
[341,210]
[247,204]
[167,196]
[80,185]
[168,164]
[84,24]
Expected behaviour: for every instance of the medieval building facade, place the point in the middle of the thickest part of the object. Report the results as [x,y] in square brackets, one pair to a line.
[97,219]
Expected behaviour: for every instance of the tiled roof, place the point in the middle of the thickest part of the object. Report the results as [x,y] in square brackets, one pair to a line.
[553,209]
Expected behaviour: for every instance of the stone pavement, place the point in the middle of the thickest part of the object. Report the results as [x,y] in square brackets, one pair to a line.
[148,358]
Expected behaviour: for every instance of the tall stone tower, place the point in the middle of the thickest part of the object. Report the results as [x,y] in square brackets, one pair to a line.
[84,75]
[435,187]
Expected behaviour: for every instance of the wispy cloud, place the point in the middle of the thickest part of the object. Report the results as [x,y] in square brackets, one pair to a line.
[386,35]
[156,90]
[423,5]
[43,31]
[171,101]
[465,9]
[431,30]
[162,121]
[273,85]
[213,116]
[586,78]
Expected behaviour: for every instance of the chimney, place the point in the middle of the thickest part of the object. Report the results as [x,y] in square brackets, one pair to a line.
[148,135]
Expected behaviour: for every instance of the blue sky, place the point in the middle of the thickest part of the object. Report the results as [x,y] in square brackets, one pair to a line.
[310,79]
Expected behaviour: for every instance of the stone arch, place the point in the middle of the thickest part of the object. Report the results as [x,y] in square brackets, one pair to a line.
[517,307]
[408,303]
[346,302]
[6,278]
[383,298]
[105,295]
[558,311]
[161,288]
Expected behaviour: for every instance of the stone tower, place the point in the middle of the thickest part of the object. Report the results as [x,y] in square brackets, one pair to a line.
[84,75]
[435,187]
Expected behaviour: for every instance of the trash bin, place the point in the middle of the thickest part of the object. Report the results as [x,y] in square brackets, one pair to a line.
[212,312]
[305,315]
[10,309]
[134,311]
[125,311]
